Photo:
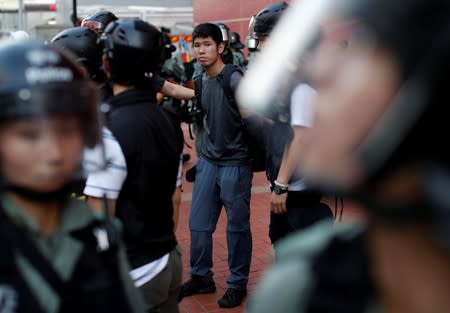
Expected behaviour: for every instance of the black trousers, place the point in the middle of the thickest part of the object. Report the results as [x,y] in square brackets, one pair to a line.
[303,209]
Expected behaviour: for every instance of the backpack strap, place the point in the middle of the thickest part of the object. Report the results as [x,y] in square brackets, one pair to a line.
[195,106]
[225,80]
[198,89]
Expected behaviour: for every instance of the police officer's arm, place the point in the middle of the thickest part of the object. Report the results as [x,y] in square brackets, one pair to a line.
[302,111]
[107,182]
[289,163]
[176,91]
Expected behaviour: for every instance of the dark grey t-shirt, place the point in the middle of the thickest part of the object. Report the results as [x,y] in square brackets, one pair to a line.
[224,142]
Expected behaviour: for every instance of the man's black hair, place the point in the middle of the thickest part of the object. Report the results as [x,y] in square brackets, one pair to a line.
[205,30]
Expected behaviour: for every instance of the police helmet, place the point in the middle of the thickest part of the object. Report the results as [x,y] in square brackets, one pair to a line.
[134,50]
[99,20]
[83,42]
[227,55]
[225,32]
[40,80]
[265,20]
[235,41]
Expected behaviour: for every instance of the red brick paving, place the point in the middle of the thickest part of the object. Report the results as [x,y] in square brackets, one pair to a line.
[262,249]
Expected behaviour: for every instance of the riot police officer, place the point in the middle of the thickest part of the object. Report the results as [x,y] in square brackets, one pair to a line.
[379,113]
[294,205]
[57,256]
[83,42]
[236,46]
[152,143]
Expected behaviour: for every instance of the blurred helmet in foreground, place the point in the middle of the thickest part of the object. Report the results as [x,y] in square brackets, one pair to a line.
[39,80]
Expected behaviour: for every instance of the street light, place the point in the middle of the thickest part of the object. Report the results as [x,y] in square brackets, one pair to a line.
[20,15]
[75,14]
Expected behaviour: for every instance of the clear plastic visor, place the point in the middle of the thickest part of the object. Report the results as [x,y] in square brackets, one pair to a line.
[77,100]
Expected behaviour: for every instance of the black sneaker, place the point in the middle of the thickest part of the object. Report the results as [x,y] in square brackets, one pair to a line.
[232,297]
[196,285]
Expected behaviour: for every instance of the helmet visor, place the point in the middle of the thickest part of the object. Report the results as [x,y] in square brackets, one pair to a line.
[75,99]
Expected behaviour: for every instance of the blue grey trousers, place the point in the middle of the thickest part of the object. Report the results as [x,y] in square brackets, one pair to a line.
[217,186]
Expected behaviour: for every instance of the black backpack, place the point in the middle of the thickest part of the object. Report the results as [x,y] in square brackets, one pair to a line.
[256,146]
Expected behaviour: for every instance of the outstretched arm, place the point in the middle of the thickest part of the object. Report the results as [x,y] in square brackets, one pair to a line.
[177,91]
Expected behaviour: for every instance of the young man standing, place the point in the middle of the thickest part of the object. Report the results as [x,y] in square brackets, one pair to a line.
[223,178]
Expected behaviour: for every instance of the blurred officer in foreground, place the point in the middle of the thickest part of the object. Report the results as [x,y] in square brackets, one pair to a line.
[56,255]
[151,142]
[293,205]
[380,108]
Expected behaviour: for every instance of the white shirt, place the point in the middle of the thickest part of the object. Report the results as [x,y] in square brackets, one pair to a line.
[302,114]
[109,181]
[302,105]
[147,272]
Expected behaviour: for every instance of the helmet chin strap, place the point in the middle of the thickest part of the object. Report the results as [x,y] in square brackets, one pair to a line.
[39,196]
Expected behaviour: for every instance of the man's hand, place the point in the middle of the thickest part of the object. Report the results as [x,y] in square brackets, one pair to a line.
[278,203]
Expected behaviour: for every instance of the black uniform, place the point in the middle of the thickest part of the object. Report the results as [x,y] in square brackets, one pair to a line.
[152,144]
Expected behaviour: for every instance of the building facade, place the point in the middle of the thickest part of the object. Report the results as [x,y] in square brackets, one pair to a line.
[237,14]
[234,13]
